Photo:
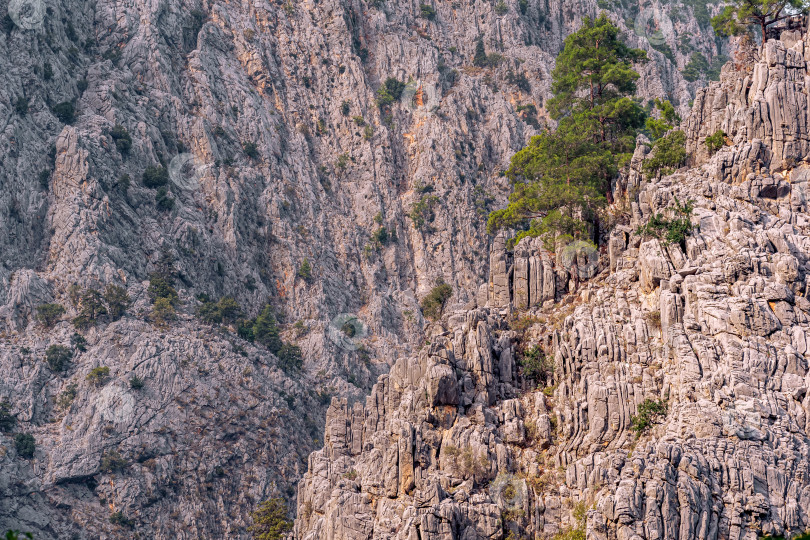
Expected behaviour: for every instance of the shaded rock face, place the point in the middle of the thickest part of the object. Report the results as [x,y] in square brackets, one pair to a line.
[714,329]
[265,117]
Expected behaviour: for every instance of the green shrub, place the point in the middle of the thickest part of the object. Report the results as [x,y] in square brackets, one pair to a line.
[649,412]
[117,301]
[135,382]
[44,179]
[716,141]
[342,161]
[667,154]
[7,419]
[155,176]
[25,445]
[305,271]
[536,366]
[422,212]
[17,535]
[160,287]
[118,518]
[163,312]
[49,314]
[21,106]
[290,358]
[67,396]
[270,520]
[227,309]
[482,59]
[359,121]
[244,329]
[57,356]
[112,462]
[390,91]
[91,307]
[426,11]
[98,375]
[78,342]
[250,149]
[265,330]
[345,107]
[433,303]
[65,112]
[123,141]
[673,231]
[501,8]
[163,200]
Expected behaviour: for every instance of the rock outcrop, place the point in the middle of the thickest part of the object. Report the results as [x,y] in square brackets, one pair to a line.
[679,404]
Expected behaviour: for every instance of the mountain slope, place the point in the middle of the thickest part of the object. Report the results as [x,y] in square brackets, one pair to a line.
[679,406]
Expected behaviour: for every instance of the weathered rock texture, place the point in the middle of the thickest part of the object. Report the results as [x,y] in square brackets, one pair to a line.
[275,102]
[451,445]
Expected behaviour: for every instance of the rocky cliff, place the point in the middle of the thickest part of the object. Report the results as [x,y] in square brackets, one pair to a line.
[264,117]
[678,406]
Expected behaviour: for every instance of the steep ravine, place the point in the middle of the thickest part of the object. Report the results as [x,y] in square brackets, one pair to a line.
[253,94]
[454,444]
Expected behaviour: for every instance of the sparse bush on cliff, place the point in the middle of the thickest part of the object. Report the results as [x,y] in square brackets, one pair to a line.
[270,520]
[123,141]
[290,358]
[25,445]
[65,112]
[7,419]
[117,301]
[422,212]
[160,287]
[649,412]
[163,312]
[155,176]
[49,314]
[668,153]
[716,141]
[433,303]
[266,331]
[57,356]
[98,375]
[163,200]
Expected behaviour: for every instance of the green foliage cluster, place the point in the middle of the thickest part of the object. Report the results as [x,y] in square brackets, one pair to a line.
[668,153]
[123,141]
[92,304]
[118,518]
[667,119]
[345,107]
[716,141]
[561,180]
[25,445]
[7,419]
[577,532]
[536,366]
[433,303]
[98,375]
[67,396]
[422,211]
[49,314]
[118,301]
[426,11]
[21,106]
[91,307]
[112,462]
[672,230]
[227,309]
[251,149]
[155,176]
[482,59]
[270,520]
[17,535]
[698,66]
[163,200]
[649,412]
[57,357]
[389,92]
[164,298]
[290,358]
[135,382]
[740,16]
[65,112]
[305,271]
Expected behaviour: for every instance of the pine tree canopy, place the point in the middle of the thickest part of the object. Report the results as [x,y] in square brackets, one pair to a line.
[562,178]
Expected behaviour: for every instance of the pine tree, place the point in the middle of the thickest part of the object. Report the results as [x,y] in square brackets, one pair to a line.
[562,179]
[740,15]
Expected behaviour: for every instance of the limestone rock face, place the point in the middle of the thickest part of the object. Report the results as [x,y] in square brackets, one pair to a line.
[265,117]
[712,330]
